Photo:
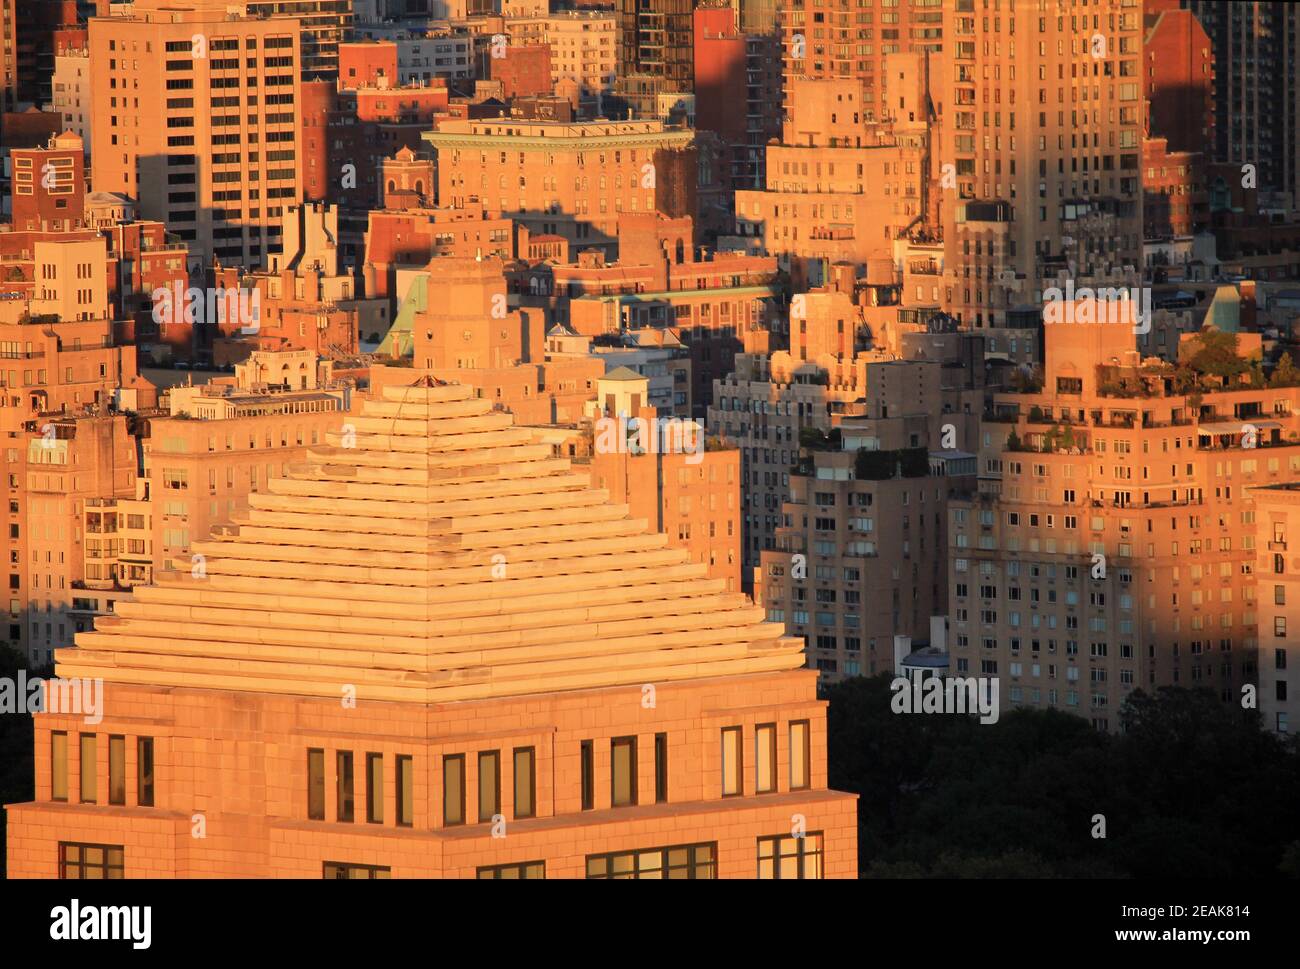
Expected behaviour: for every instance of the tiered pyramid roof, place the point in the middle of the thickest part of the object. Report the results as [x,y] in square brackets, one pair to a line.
[432,551]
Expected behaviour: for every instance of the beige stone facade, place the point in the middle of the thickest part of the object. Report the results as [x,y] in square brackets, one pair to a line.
[1277,572]
[171,94]
[550,688]
[1117,547]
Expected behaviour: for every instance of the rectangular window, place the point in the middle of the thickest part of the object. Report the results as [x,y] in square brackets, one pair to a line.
[784,856]
[765,758]
[661,768]
[316,784]
[588,775]
[489,784]
[344,765]
[525,782]
[341,869]
[58,766]
[524,869]
[679,861]
[144,774]
[453,789]
[375,788]
[800,778]
[89,861]
[405,790]
[622,764]
[116,770]
[87,768]
[732,783]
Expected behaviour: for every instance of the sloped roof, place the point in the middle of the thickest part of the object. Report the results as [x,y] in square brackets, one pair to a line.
[623,373]
[432,552]
[1224,312]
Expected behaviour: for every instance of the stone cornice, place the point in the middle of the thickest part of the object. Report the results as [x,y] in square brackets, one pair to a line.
[482,142]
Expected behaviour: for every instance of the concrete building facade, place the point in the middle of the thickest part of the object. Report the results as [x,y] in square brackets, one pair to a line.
[176,133]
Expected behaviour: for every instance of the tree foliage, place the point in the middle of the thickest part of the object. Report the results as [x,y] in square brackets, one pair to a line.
[1213,353]
[17,776]
[1285,373]
[945,796]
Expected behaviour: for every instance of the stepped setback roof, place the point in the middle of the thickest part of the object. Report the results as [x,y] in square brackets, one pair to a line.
[432,551]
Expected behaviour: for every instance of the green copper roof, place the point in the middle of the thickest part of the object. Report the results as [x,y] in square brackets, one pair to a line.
[398,341]
[1225,310]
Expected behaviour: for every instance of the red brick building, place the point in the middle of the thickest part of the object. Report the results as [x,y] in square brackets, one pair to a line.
[523,71]
[1179,90]
[1175,199]
[368,63]
[320,102]
[737,85]
[1179,82]
[49,184]
[408,238]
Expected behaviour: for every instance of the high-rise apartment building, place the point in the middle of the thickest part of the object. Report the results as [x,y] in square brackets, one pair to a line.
[54,465]
[211,447]
[765,404]
[225,440]
[584,48]
[447,635]
[37,25]
[425,52]
[861,552]
[1116,546]
[680,482]
[197,120]
[8,55]
[1038,156]
[1277,520]
[758,16]
[1178,80]
[833,40]
[655,40]
[1256,94]
[70,88]
[61,373]
[325,24]
[839,187]
[1178,77]
[733,67]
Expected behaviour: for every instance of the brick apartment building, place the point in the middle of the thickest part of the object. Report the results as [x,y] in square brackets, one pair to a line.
[839,188]
[1116,547]
[690,493]
[824,40]
[584,50]
[571,180]
[861,551]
